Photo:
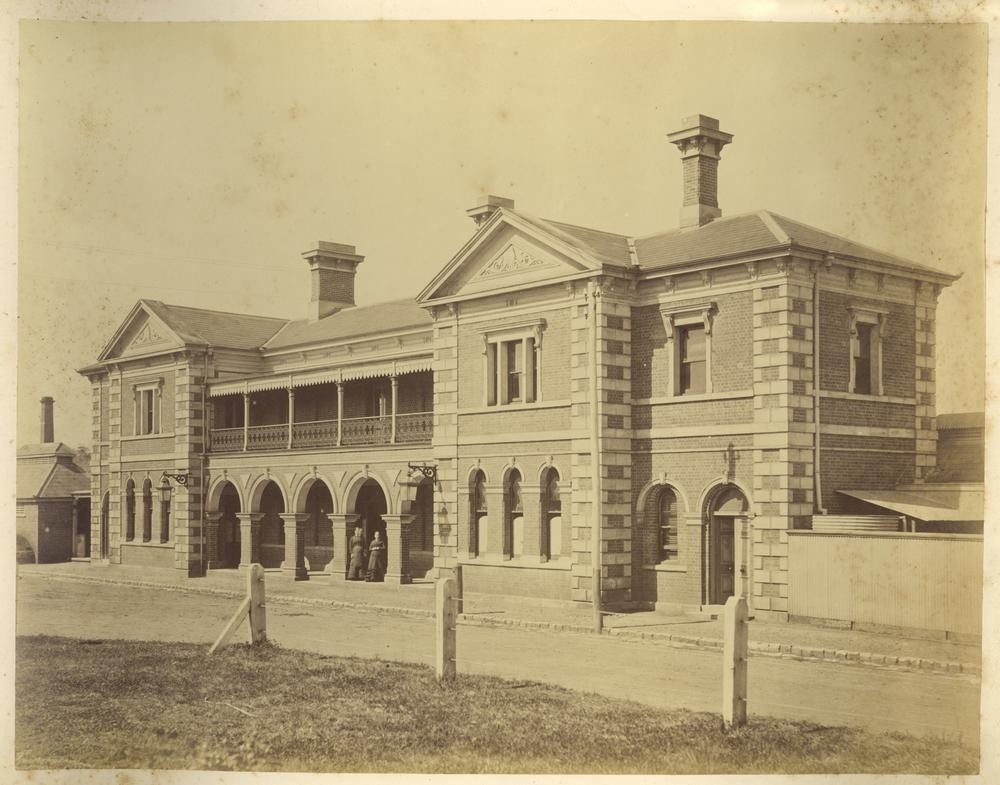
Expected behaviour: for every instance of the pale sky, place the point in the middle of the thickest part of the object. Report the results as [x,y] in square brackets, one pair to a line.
[193,163]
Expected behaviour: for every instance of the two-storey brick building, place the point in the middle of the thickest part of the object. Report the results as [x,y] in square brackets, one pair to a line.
[713,386]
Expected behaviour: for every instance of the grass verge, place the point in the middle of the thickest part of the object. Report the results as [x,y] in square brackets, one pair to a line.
[124,704]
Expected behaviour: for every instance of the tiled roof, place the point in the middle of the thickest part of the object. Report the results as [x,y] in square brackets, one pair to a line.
[605,247]
[753,233]
[722,237]
[352,323]
[961,420]
[56,477]
[217,328]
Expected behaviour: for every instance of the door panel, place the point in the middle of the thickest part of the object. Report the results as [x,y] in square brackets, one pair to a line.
[723,559]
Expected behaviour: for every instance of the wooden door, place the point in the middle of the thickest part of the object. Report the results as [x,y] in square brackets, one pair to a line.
[723,559]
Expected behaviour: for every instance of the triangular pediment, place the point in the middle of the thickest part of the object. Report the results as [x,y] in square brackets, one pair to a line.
[507,253]
[142,333]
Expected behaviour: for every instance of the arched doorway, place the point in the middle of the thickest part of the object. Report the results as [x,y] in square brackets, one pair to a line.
[105,527]
[272,528]
[371,506]
[725,530]
[319,527]
[228,537]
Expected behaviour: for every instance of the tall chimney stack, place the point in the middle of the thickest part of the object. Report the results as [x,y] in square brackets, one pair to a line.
[482,213]
[700,142]
[332,267]
[48,425]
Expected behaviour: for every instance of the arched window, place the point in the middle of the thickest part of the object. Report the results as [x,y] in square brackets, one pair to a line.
[130,510]
[513,530]
[147,510]
[478,514]
[164,521]
[666,520]
[551,517]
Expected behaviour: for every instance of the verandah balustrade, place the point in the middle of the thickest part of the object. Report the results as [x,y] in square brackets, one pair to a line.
[411,428]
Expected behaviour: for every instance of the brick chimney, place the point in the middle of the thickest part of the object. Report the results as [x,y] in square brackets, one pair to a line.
[482,213]
[700,142]
[332,267]
[48,424]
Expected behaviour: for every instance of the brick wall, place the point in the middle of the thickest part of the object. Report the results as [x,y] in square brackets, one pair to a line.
[860,470]
[333,286]
[554,360]
[876,414]
[898,346]
[732,347]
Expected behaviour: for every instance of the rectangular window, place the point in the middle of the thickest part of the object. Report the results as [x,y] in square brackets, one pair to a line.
[511,371]
[147,418]
[863,359]
[691,345]
[515,368]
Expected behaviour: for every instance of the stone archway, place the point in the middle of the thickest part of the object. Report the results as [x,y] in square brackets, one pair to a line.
[271,549]
[227,529]
[318,532]
[725,544]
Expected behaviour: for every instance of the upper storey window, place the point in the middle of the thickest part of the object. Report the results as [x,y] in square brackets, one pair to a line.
[691,343]
[868,330]
[512,362]
[688,326]
[147,404]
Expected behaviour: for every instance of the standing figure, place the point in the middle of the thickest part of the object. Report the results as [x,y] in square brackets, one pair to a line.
[356,569]
[376,558]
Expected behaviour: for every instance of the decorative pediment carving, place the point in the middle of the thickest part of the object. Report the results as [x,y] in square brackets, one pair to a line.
[511,260]
[146,336]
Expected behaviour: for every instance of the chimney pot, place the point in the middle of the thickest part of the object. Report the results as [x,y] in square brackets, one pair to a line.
[333,267]
[48,425]
[700,142]
[489,206]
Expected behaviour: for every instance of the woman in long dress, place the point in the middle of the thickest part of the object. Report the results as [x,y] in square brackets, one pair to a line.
[356,569]
[376,558]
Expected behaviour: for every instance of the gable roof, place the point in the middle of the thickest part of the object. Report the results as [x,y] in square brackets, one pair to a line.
[352,323]
[216,328]
[46,471]
[604,247]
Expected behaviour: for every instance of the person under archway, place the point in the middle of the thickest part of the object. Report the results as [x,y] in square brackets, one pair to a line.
[356,569]
[376,558]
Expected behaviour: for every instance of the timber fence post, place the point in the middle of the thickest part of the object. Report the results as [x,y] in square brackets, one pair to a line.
[258,611]
[445,620]
[734,662]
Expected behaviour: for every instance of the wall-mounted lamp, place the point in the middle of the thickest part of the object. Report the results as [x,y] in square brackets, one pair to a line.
[164,487]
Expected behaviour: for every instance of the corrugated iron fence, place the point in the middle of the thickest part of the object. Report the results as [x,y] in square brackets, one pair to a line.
[926,581]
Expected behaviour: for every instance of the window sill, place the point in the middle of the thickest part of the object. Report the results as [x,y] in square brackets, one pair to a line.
[150,544]
[516,407]
[492,561]
[715,396]
[143,436]
[849,396]
[665,567]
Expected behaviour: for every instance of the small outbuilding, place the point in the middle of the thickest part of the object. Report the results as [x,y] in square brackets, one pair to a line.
[53,499]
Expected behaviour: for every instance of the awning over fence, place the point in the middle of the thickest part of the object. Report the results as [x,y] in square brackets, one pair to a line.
[927,505]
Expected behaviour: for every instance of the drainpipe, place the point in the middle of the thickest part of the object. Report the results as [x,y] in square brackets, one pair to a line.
[595,460]
[817,485]
[206,433]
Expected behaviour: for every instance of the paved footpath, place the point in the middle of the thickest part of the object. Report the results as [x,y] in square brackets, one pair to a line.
[936,704]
